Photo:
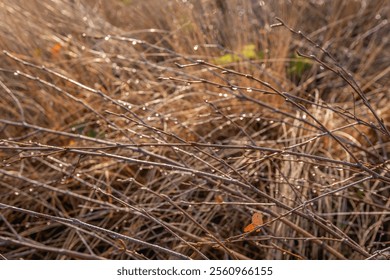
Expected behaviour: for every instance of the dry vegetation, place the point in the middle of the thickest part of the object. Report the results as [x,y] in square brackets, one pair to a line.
[156,129]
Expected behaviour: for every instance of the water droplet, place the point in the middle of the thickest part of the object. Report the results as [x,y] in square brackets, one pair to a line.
[107,37]
[16,193]
[196,47]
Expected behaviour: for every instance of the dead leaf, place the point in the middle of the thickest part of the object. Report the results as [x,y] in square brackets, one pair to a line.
[55,50]
[249,228]
[219,199]
[257,220]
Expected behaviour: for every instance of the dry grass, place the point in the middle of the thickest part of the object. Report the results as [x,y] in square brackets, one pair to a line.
[131,133]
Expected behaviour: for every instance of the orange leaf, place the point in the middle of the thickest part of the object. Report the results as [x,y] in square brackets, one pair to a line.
[257,219]
[219,199]
[55,50]
[249,228]
[71,142]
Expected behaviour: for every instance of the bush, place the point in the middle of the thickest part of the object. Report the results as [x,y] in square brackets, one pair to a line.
[212,129]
